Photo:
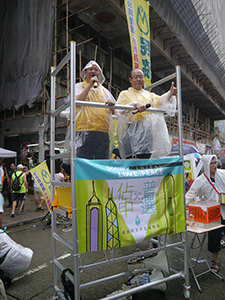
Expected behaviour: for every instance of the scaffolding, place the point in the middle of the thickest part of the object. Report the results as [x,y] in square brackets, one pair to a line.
[73,247]
[194,129]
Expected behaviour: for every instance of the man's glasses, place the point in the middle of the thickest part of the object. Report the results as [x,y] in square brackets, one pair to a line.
[91,69]
[137,76]
[214,163]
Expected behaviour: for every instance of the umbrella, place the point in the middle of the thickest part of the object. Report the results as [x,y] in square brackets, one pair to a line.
[187,149]
[7,153]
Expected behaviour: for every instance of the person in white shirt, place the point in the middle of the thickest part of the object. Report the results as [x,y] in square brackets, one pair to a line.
[216,144]
[209,184]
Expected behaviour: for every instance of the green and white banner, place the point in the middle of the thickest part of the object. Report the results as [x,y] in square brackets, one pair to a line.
[120,203]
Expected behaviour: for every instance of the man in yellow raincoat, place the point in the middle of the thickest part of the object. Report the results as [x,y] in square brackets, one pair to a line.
[142,134]
[94,126]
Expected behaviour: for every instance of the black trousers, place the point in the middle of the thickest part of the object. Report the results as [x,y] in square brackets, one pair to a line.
[214,238]
[92,144]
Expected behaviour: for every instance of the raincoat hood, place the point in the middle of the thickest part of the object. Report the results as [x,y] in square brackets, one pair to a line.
[203,186]
[206,159]
[89,65]
[219,176]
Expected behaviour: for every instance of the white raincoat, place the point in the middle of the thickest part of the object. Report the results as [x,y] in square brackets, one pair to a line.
[202,187]
[146,132]
[89,119]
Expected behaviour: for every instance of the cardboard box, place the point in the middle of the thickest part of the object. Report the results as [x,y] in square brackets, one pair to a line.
[205,212]
[64,194]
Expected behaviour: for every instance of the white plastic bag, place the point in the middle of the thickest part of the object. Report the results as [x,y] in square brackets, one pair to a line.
[14,258]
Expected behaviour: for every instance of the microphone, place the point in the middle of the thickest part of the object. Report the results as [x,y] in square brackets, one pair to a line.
[95,85]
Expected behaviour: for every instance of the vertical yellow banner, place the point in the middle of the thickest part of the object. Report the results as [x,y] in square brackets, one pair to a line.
[42,177]
[137,12]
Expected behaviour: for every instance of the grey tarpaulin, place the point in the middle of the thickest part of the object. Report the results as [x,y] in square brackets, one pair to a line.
[26,28]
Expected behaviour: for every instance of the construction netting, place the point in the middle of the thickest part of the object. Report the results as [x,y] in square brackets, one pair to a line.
[26,28]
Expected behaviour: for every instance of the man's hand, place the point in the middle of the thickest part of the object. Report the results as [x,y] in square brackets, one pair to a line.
[93,80]
[139,108]
[110,102]
[173,90]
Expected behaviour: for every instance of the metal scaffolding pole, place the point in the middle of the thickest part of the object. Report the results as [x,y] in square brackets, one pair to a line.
[71,56]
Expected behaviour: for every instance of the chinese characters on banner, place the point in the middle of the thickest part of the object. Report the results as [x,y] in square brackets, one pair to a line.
[137,12]
[120,203]
[42,177]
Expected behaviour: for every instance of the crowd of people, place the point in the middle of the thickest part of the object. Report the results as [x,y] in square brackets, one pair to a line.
[17,196]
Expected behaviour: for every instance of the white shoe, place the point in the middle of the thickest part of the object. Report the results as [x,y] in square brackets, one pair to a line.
[222,243]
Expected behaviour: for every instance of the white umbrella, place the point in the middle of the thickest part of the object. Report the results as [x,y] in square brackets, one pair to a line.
[186,148]
[4,153]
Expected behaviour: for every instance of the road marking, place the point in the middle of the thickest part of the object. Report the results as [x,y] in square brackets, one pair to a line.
[41,267]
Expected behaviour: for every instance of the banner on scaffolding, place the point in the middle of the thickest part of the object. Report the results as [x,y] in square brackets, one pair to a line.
[120,203]
[42,177]
[137,12]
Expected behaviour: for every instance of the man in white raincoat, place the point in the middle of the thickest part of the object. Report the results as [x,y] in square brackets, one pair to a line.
[94,126]
[142,133]
[209,184]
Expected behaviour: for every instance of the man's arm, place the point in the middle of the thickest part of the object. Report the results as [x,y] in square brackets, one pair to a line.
[25,182]
[83,95]
[7,176]
[110,101]
[11,184]
[195,190]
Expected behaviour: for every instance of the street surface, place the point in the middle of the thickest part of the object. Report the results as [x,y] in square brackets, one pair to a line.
[36,282]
